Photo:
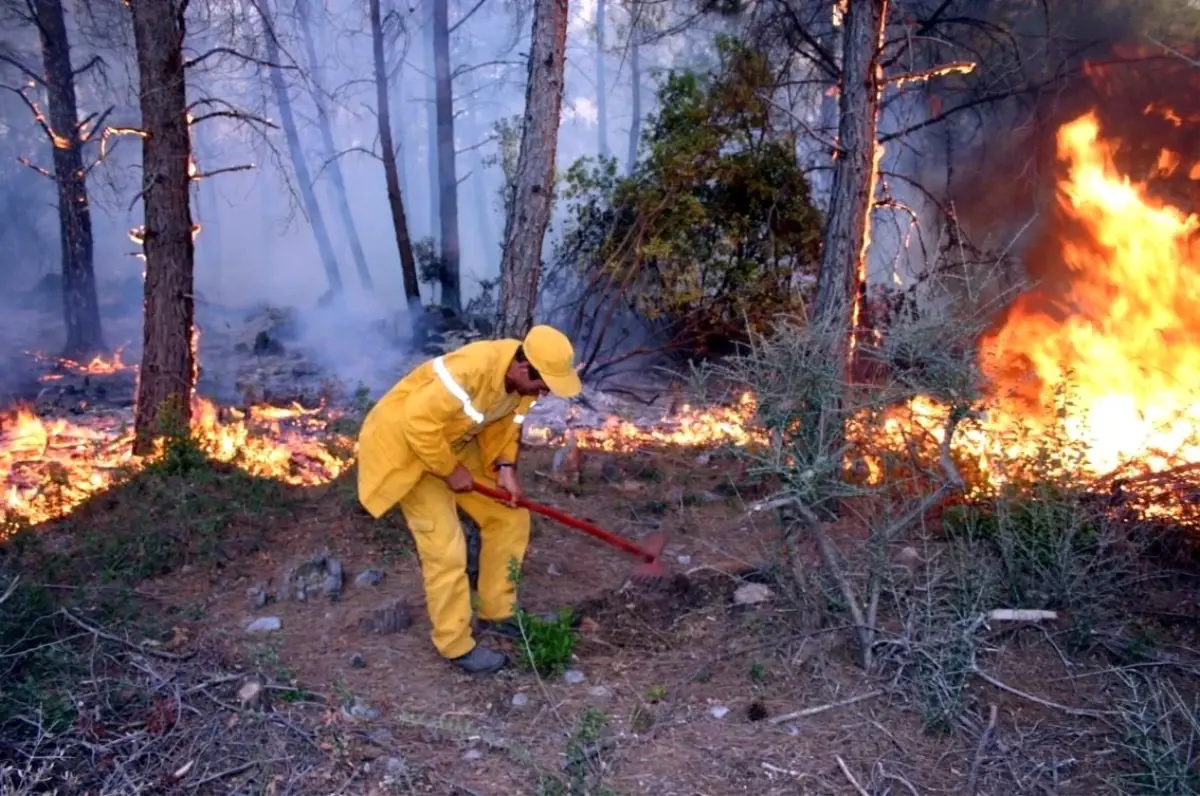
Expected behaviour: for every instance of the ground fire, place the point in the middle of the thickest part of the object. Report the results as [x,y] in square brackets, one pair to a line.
[1121,337]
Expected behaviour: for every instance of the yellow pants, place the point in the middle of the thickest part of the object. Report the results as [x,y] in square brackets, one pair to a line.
[430,511]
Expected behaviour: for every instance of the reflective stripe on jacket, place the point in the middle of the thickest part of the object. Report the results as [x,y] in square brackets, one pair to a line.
[440,406]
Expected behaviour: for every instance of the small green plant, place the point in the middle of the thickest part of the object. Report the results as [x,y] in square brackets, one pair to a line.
[545,646]
[758,672]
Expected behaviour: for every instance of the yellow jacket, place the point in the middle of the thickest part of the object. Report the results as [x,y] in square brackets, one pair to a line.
[432,414]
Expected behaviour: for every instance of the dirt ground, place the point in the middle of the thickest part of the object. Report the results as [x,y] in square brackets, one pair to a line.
[683,688]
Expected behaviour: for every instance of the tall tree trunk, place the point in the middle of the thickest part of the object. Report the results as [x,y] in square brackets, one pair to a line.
[847,229]
[81,310]
[168,371]
[304,183]
[525,228]
[446,156]
[431,141]
[408,263]
[329,149]
[635,87]
[601,82]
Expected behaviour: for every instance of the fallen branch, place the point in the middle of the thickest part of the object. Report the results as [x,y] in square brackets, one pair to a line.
[817,709]
[1070,711]
[972,786]
[170,656]
[850,777]
[1020,615]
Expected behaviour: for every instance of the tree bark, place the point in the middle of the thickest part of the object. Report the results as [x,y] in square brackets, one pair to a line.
[431,141]
[329,149]
[847,229]
[81,310]
[525,227]
[168,371]
[842,275]
[635,88]
[408,263]
[601,83]
[446,156]
[304,182]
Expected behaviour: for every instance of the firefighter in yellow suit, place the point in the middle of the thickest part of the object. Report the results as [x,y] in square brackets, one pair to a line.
[455,419]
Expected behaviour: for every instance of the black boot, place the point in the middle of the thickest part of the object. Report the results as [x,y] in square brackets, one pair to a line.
[508,628]
[481,660]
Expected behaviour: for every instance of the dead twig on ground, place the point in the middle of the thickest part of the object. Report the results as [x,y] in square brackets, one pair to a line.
[170,656]
[972,784]
[850,777]
[818,709]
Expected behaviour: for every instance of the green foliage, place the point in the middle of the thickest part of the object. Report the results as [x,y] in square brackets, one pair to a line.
[545,646]
[710,231]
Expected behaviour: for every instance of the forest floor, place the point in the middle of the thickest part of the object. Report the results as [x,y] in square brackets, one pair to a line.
[137,609]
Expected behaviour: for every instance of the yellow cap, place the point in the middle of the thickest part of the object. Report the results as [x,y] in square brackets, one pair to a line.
[549,350]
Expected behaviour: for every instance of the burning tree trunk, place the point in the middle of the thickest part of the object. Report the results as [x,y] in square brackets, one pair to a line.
[329,150]
[601,83]
[81,310]
[315,218]
[168,370]
[408,263]
[525,228]
[447,181]
[847,231]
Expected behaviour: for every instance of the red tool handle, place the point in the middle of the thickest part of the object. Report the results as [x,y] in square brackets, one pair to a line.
[566,519]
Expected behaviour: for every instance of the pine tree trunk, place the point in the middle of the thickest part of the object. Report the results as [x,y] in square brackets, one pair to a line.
[525,228]
[842,275]
[168,371]
[408,263]
[635,88]
[81,310]
[337,182]
[601,82]
[446,156]
[291,134]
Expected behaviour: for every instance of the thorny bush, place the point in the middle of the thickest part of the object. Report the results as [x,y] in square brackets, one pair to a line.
[944,545]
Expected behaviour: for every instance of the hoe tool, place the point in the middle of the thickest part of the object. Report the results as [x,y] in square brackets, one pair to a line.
[649,550]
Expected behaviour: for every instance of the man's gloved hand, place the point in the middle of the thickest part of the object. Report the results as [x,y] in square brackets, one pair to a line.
[460,480]
[506,479]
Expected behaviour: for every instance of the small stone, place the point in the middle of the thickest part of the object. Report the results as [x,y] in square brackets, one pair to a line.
[250,693]
[472,754]
[704,458]
[357,661]
[685,560]
[332,585]
[553,570]
[600,692]
[573,677]
[257,595]
[360,709]
[520,700]
[265,624]
[719,711]
[370,577]
[395,766]
[751,594]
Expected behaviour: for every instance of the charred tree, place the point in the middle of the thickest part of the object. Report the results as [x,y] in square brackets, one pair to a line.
[81,310]
[168,371]
[601,82]
[525,228]
[329,149]
[304,183]
[841,280]
[408,263]
[447,181]
[847,229]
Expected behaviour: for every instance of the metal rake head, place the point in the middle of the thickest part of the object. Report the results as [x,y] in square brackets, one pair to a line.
[652,568]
